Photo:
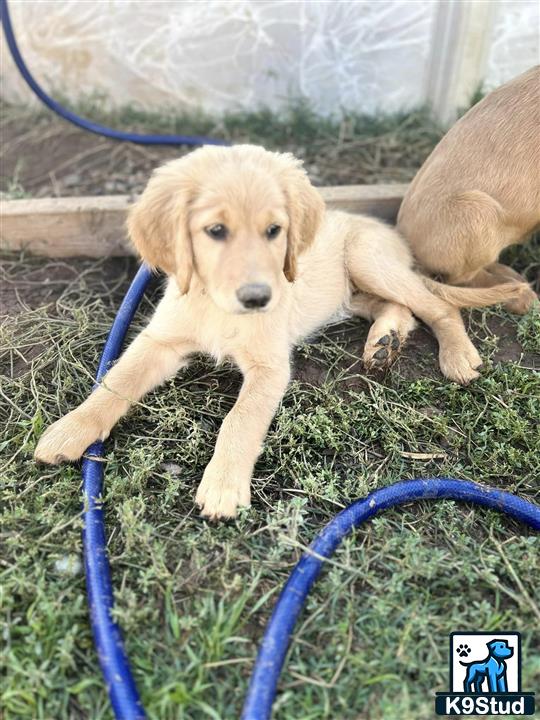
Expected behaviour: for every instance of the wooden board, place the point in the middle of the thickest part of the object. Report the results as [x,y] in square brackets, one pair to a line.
[66,227]
[95,226]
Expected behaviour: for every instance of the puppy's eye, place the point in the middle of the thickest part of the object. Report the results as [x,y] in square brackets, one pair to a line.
[272,231]
[217,232]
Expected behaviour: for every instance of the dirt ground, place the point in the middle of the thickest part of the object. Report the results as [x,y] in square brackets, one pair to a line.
[43,155]
[50,158]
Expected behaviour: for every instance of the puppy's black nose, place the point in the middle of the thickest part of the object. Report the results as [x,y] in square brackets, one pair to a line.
[254,295]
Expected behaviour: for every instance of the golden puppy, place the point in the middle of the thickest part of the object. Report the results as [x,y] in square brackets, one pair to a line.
[479,191]
[256,264]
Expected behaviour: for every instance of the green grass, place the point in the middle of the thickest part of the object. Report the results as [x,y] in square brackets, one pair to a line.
[193,598]
[297,120]
[340,149]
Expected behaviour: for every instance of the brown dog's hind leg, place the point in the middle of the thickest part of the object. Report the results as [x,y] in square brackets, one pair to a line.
[389,331]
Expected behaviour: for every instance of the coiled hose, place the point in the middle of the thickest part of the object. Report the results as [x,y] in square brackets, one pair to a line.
[273,648]
[263,685]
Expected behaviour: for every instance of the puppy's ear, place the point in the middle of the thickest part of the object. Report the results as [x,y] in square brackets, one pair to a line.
[305,208]
[158,224]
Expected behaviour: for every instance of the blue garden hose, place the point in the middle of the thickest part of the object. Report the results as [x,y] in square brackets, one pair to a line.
[262,689]
[107,635]
[273,648]
[92,127]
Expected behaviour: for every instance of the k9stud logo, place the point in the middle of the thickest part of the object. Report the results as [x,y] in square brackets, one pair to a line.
[485,676]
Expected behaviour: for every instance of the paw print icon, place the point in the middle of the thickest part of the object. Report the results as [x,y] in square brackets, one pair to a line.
[463,650]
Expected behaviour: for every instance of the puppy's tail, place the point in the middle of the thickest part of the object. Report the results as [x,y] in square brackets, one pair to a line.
[462,297]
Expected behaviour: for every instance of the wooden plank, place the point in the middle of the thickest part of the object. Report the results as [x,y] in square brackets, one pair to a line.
[383,201]
[95,226]
[66,227]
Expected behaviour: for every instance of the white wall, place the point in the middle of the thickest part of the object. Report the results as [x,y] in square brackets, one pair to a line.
[228,54]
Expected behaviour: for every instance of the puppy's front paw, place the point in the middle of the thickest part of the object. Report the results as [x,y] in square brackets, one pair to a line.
[221,491]
[460,364]
[68,438]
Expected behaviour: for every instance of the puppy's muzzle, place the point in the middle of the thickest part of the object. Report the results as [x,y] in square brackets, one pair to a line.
[254,296]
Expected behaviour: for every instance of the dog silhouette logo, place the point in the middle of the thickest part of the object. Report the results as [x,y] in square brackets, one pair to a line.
[492,669]
[485,676]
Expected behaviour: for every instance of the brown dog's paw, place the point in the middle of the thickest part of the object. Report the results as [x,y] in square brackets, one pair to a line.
[380,355]
[522,304]
[67,438]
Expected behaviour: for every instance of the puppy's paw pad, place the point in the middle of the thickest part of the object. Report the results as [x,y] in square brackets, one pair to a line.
[380,358]
[463,650]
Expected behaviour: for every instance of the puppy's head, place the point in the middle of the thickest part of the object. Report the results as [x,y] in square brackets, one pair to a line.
[236,217]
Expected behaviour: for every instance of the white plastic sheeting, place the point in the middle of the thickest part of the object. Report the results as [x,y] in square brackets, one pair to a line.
[222,55]
[515,42]
[366,55]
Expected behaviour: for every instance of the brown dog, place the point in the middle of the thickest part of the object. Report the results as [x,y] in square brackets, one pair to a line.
[255,264]
[479,191]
